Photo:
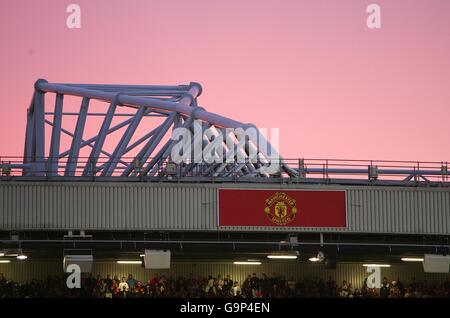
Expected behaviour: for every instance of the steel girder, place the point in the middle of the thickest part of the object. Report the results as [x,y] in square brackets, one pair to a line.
[178,104]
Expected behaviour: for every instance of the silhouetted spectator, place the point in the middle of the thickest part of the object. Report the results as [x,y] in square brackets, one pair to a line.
[385,288]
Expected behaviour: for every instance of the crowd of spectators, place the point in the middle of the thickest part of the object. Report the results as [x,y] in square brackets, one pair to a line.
[273,286]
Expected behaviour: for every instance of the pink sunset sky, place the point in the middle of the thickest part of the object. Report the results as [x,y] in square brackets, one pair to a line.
[335,88]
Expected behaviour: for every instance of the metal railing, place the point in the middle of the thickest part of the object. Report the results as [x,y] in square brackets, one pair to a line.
[304,170]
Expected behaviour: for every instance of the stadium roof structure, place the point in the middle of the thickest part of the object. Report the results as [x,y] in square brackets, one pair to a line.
[150,145]
[176,104]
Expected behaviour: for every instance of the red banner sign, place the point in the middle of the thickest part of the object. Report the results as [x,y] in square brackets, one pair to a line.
[282,208]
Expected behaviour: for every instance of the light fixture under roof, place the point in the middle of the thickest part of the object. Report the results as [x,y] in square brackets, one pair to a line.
[4,261]
[281,256]
[412,259]
[129,262]
[314,259]
[376,265]
[12,252]
[2,254]
[22,257]
[247,263]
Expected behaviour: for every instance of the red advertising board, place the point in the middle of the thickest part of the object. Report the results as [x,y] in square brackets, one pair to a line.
[282,208]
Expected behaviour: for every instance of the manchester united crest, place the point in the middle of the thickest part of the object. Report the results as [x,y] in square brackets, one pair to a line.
[280,208]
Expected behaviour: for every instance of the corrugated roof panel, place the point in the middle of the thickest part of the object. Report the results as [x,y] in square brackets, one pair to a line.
[163,206]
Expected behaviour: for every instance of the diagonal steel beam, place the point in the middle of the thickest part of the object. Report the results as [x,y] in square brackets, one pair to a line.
[139,141]
[104,114]
[74,153]
[39,133]
[163,153]
[90,144]
[132,146]
[52,166]
[152,143]
[152,166]
[110,130]
[100,140]
[123,143]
